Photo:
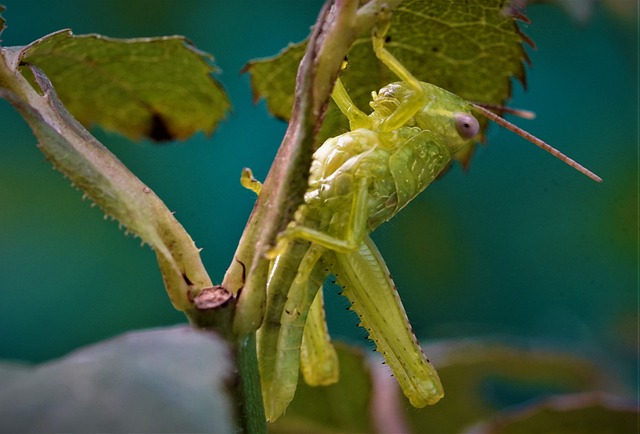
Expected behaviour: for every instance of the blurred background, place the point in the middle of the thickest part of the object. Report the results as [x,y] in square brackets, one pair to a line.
[519,247]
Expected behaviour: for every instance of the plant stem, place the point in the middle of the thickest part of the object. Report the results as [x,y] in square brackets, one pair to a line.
[249,408]
[213,312]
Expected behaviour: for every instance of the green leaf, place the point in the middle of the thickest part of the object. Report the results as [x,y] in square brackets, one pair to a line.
[164,380]
[274,79]
[470,47]
[160,88]
[106,181]
[482,378]
[581,414]
[11,371]
[339,408]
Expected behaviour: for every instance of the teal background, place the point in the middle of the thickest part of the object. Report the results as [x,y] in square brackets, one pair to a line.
[520,246]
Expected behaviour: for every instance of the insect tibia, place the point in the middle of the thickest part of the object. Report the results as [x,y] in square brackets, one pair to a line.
[536,141]
[318,358]
[378,306]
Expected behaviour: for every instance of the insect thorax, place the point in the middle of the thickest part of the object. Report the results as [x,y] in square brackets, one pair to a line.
[338,165]
[397,166]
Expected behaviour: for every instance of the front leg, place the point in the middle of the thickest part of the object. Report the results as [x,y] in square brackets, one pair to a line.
[357,118]
[354,234]
[417,100]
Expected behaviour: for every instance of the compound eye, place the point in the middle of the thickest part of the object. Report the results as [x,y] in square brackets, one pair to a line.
[466,125]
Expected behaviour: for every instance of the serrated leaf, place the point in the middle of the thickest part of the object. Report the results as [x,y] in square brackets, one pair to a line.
[160,88]
[274,79]
[163,380]
[470,47]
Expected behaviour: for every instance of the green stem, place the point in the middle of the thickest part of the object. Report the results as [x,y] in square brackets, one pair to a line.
[214,311]
[248,396]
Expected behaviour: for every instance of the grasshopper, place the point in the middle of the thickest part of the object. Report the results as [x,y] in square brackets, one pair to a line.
[358,180]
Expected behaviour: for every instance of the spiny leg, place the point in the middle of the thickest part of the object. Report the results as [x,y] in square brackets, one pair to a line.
[379,39]
[367,284]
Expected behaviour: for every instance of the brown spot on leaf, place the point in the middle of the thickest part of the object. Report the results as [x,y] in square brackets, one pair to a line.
[159,131]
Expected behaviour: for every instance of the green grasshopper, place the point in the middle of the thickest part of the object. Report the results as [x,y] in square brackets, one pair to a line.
[357,181]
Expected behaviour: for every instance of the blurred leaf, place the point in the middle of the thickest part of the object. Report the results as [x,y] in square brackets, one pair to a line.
[623,9]
[163,380]
[160,88]
[481,378]
[584,413]
[11,371]
[340,408]
[471,48]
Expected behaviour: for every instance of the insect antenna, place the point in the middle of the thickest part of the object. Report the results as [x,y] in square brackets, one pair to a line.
[524,114]
[536,141]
